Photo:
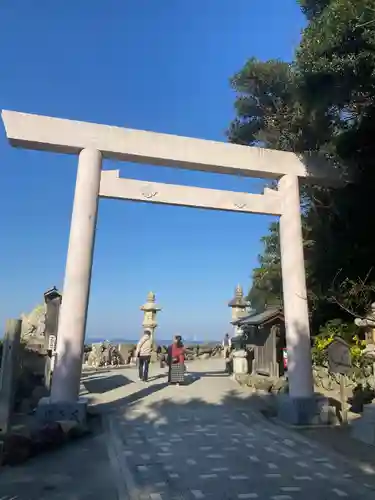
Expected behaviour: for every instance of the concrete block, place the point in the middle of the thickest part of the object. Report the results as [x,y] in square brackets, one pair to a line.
[363,428]
[363,431]
[369,412]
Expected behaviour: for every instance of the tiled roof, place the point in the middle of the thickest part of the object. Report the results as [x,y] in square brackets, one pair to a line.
[258,319]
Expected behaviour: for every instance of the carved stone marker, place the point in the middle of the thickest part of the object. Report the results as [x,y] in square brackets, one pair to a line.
[340,361]
[339,357]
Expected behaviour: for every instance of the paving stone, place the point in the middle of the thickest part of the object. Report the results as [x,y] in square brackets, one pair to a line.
[197,494]
[203,452]
[339,493]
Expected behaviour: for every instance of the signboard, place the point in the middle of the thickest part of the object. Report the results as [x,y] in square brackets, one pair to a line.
[339,356]
[52,342]
[52,316]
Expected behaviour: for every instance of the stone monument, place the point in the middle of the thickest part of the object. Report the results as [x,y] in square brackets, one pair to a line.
[150,310]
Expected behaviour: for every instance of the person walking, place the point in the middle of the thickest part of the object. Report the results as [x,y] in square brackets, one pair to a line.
[227,344]
[227,347]
[143,354]
[176,361]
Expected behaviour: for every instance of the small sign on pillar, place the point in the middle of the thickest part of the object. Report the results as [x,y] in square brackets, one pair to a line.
[52,343]
[52,300]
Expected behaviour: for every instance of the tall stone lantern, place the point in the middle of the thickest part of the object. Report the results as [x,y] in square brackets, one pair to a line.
[368,324]
[239,307]
[150,310]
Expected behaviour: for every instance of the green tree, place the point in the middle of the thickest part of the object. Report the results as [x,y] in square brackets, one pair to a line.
[269,114]
[322,103]
[336,59]
[266,279]
[266,116]
[313,8]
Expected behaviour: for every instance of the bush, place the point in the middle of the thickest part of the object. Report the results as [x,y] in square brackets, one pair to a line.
[337,328]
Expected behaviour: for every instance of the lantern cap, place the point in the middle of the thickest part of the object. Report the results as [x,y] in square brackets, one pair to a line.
[150,305]
[238,299]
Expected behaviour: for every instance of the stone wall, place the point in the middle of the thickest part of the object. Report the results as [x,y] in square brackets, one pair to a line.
[97,355]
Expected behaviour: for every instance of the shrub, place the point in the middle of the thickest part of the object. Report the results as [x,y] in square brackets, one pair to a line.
[331,330]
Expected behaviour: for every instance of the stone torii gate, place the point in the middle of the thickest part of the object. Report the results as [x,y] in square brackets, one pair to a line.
[93,142]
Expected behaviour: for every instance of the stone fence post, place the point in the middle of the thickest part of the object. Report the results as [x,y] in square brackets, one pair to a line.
[8,372]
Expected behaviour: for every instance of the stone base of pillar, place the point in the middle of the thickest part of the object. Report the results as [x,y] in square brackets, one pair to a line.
[240,363]
[48,411]
[304,411]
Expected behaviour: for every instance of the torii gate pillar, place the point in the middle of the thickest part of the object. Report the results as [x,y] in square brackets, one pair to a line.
[297,328]
[64,399]
[73,312]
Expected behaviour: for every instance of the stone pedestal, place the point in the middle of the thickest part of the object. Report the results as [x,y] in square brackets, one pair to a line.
[240,364]
[363,428]
[50,411]
[304,411]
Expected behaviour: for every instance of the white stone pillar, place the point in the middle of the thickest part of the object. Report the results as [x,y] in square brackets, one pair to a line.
[73,312]
[294,291]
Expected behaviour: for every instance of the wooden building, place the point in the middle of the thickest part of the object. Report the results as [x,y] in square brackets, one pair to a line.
[264,335]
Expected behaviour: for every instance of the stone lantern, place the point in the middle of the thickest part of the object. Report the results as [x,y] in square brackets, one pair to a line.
[368,323]
[239,307]
[150,310]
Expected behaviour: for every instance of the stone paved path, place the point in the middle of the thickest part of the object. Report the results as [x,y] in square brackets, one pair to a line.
[80,471]
[201,442]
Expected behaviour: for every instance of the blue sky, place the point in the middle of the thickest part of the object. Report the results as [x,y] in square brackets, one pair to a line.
[162,66]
